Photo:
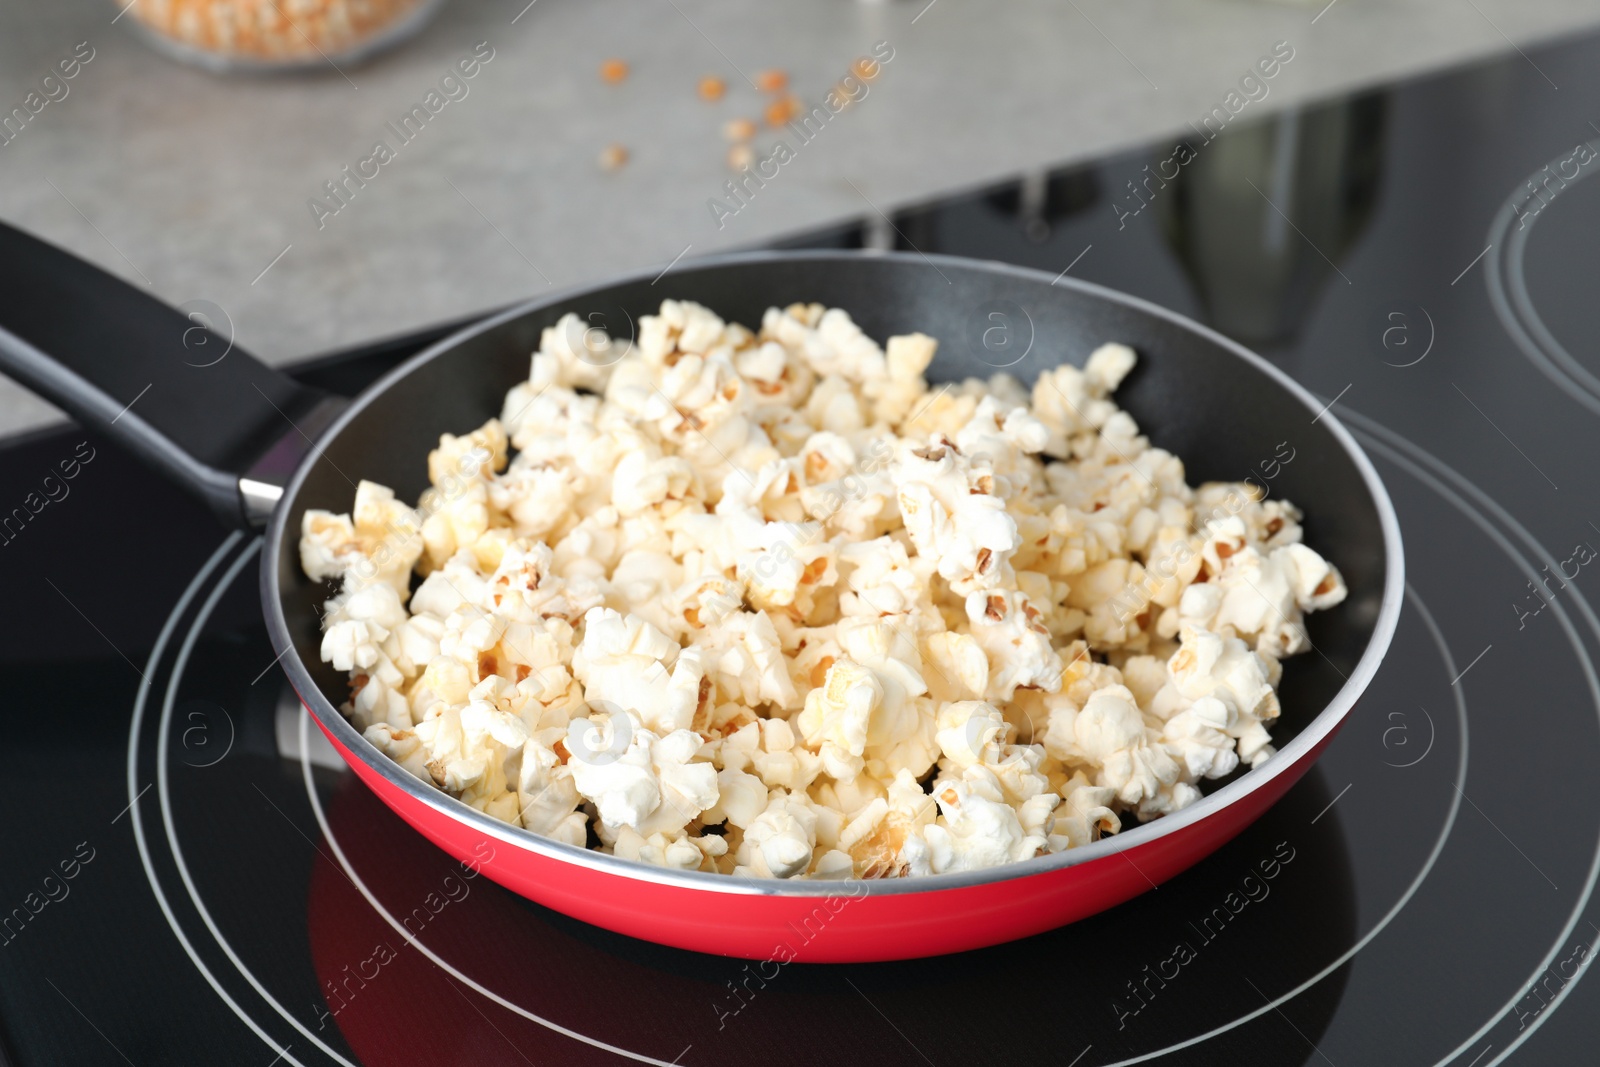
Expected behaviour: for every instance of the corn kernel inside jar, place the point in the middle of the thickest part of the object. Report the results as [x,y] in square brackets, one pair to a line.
[221,33]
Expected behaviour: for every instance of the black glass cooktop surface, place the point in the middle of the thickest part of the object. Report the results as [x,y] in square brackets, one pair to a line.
[191,877]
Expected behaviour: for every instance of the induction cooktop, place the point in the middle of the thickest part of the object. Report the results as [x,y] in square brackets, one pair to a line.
[191,876]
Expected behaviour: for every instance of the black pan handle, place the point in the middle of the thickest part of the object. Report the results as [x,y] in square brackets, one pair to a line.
[148,376]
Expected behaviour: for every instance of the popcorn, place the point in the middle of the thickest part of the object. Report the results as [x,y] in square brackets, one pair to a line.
[958,666]
[628,666]
[950,509]
[744,659]
[900,730]
[972,736]
[328,545]
[575,354]
[381,543]
[635,778]
[884,579]
[547,795]
[377,702]
[975,832]
[1110,731]
[1086,814]
[780,841]
[1198,736]
[762,604]
[1007,626]
[455,521]
[402,746]
[682,852]
[741,797]
[837,715]
[1208,665]
[884,839]
[358,624]
[641,482]
[536,499]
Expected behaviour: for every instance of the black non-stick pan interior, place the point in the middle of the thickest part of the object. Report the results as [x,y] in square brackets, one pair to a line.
[1192,394]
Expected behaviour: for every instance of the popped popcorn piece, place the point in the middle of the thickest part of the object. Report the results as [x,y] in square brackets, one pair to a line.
[744,659]
[635,778]
[958,668]
[380,541]
[1198,736]
[974,832]
[1086,814]
[628,666]
[951,510]
[1226,670]
[358,624]
[761,603]
[780,841]
[402,746]
[973,738]
[1110,731]
[837,715]
[877,839]
[682,851]
[547,796]
[1017,643]
[884,580]
[328,544]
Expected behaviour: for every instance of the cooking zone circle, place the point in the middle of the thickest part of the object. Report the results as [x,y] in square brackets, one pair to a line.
[1555,188]
[381,972]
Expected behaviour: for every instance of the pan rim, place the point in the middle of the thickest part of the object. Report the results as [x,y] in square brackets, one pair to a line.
[1290,756]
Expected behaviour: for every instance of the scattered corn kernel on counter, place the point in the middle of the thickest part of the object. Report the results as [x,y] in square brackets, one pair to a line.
[762,603]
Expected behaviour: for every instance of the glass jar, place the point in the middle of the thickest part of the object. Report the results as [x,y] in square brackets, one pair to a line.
[225,35]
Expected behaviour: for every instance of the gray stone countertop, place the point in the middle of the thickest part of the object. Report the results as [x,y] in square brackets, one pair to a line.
[197,186]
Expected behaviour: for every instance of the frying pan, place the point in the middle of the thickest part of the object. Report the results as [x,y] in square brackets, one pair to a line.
[261,449]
